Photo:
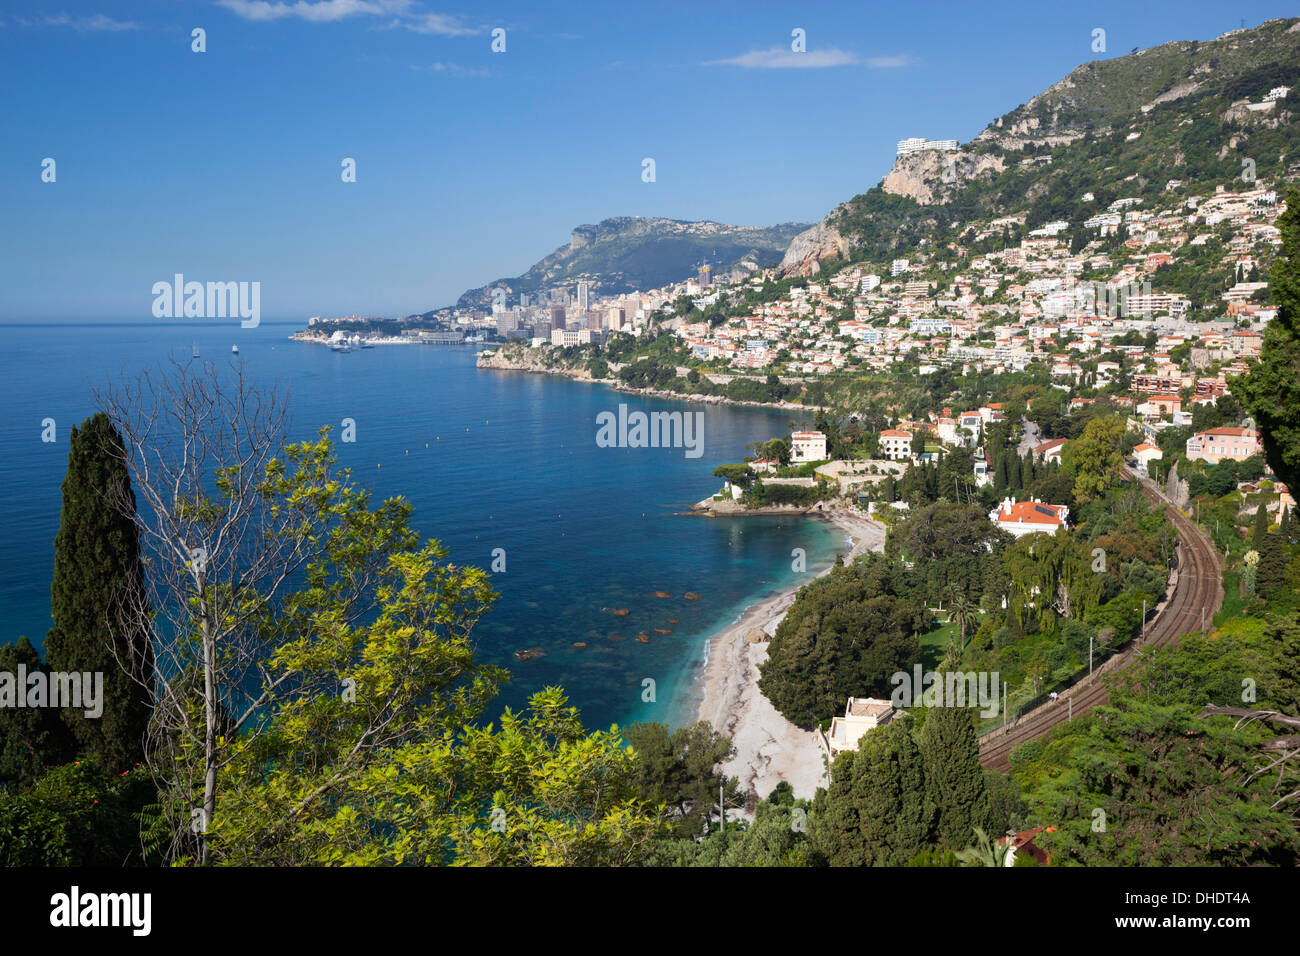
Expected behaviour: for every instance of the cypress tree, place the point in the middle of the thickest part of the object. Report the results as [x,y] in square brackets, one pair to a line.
[876,811]
[1261,527]
[954,778]
[97,573]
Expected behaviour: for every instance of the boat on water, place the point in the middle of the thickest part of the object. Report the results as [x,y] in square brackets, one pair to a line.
[234,350]
[194,351]
[366,344]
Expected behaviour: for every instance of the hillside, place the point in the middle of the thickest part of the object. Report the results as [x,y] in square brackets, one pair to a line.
[627,254]
[1184,100]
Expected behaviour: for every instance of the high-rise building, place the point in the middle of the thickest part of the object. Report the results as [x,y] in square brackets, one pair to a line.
[617,318]
[557,317]
[583,295]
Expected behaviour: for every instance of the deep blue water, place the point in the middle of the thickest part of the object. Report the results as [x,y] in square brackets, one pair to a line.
[489,460]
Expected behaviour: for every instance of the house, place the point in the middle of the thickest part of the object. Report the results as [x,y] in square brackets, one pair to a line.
[895,445]
[1218,444]
[1029,517]
[1160,405]
[1050,450]
[806,447]
[1146,453]
[1023,842]
[860,715]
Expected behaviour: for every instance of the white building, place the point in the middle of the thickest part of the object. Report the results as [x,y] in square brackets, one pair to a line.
[860,715]
[1029,517]
[806,447]
[895,445]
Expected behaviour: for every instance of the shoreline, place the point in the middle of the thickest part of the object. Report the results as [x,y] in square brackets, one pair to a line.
[769,749]
[582,375]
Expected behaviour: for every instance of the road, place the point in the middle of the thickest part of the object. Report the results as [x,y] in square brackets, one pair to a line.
[1198,586]
[1032,438]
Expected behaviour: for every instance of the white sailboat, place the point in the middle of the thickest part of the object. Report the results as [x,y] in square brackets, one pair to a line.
[234,350]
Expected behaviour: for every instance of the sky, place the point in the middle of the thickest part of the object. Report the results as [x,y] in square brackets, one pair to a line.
[473,163]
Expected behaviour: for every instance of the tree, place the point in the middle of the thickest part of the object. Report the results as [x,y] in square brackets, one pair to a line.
[877,810]
[268,574]
[1270,391]
[845,634]
[961,609]
[1260,531]
[322,703]
[97,598]
[954,778]
[1095,458]
[679,768]
[32,739]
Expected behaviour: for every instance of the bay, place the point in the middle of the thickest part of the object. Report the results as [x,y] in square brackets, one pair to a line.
[489,460]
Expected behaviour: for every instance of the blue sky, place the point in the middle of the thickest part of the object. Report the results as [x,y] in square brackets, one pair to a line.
[471,164]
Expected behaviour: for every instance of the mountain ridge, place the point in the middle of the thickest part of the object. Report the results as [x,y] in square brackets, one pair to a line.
[624,254]
[1184,99]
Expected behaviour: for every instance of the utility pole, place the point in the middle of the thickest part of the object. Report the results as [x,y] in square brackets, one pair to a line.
[1070,701]
[1004,708]
[1142,633]
[722,806]
[1089,657]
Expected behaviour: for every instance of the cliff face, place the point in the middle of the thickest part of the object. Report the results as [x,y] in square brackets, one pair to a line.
[935,176]
[524,359]
[810,246]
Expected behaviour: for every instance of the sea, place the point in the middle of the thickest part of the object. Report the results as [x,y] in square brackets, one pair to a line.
[500,467]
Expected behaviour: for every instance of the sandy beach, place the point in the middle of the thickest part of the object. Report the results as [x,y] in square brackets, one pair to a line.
[769,748]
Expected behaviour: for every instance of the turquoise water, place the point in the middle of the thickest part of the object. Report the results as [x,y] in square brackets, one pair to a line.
[511,462]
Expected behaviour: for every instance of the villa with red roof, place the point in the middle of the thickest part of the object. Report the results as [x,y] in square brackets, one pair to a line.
[1029,517]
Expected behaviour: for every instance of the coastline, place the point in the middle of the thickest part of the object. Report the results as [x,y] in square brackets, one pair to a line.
[769,749]
[490,361]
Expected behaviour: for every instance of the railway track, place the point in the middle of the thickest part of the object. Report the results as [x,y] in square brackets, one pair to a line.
[1198,585]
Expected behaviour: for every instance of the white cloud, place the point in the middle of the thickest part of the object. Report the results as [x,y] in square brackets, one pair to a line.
[783,57]
[777,58]
[405,16]
[452,69]
[436,23]
[92,24]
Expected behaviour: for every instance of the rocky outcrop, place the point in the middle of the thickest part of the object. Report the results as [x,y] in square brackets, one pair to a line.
[933,176]
[806,250]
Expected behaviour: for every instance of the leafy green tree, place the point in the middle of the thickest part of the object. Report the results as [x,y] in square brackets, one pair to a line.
[954,778]
[76,815]
[97,597]
[845,634]
[1270,391]
[1095,457]
[877,810]
[679,769]
[1174,790]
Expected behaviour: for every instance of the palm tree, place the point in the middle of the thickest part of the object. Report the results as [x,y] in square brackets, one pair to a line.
[960,609]
[985,852]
